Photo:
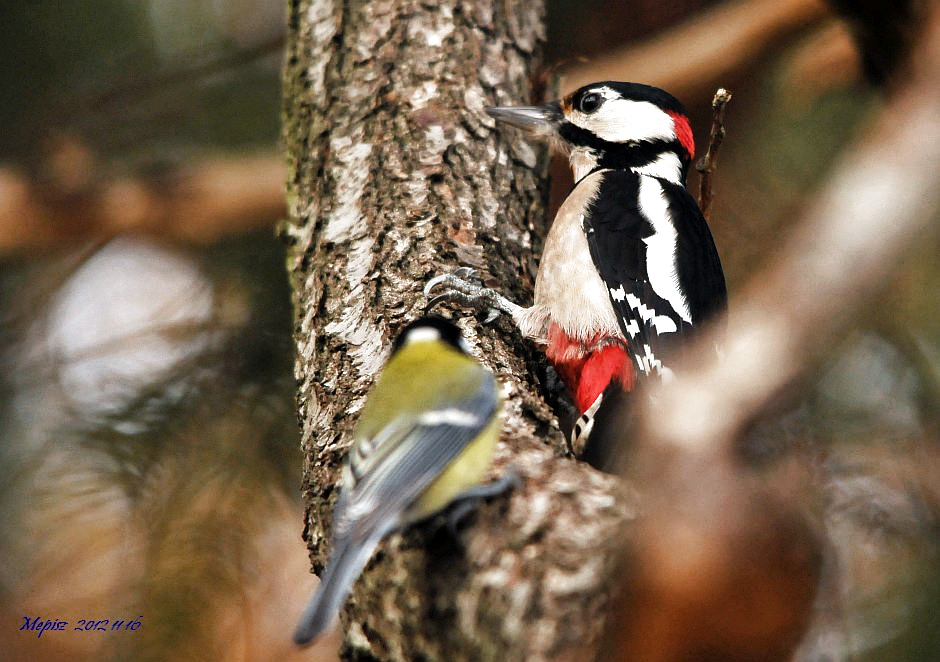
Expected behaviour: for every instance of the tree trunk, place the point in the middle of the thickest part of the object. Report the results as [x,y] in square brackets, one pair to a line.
[396,175]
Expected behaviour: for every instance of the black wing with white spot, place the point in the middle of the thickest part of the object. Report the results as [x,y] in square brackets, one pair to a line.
[626,245]
[697,262]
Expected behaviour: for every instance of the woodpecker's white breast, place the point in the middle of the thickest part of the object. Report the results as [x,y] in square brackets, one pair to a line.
[568,289]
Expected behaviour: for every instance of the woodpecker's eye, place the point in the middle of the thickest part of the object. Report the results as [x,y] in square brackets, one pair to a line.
[590,102]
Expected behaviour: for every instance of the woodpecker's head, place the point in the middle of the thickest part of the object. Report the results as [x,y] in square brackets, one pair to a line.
[613,125]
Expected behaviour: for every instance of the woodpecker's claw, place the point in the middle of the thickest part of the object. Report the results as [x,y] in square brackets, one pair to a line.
[463,280]
[465,287]
[468,273]
[465,300]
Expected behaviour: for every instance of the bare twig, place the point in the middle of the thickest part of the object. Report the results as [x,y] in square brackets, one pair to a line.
[707,164]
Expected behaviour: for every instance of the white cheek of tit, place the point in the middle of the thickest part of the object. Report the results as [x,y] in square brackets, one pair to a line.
[422,334]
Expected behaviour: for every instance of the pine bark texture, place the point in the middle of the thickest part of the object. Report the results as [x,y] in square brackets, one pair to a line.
[397,175]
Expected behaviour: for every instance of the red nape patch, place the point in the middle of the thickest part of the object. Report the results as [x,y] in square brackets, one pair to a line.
[604,366]
[683,132]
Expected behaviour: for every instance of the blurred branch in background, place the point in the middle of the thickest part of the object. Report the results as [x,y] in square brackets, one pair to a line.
[884,32]
[201,201]
[181,75]
[149,461]
[722,565]
[692,57]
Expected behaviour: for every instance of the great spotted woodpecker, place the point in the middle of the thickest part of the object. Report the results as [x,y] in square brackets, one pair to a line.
[629,269]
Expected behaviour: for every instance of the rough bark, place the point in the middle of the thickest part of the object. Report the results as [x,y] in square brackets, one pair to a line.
[397,175]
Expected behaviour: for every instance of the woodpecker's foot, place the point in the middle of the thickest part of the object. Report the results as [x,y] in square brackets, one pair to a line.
[467,502]
[465,288]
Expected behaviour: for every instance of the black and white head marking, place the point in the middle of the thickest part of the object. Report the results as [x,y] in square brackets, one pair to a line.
[625,125]
[622,114]
[431,329]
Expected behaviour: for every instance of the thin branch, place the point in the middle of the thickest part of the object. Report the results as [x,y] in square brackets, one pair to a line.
[708,163]
[178,74]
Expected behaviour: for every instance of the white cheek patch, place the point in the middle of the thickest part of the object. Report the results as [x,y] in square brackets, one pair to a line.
[622,120]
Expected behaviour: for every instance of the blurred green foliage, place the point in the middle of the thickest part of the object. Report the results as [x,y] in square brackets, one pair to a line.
[93,68]
[53,50]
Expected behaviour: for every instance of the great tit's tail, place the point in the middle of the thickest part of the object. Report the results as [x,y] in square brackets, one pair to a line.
[347,561]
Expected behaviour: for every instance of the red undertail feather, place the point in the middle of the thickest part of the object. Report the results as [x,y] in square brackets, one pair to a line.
[587,368]
[609,364]
[683,132]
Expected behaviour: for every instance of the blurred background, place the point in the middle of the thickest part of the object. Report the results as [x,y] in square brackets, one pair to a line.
[149,464]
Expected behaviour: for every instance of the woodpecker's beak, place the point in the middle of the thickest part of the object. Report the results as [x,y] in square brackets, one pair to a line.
[538,120]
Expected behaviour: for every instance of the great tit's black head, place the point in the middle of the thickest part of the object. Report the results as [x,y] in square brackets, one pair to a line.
[431,329]
[610,125]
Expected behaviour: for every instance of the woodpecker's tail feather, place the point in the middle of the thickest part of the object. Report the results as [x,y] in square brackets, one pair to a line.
[601,435]
[581,431]
[349,558]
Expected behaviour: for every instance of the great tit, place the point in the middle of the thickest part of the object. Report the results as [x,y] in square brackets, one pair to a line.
[425,438]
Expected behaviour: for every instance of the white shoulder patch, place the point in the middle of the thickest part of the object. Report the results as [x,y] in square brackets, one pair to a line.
[666,166]
[661,247]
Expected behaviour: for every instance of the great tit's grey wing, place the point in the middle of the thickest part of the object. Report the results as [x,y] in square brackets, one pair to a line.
[395,473]
[402,461]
